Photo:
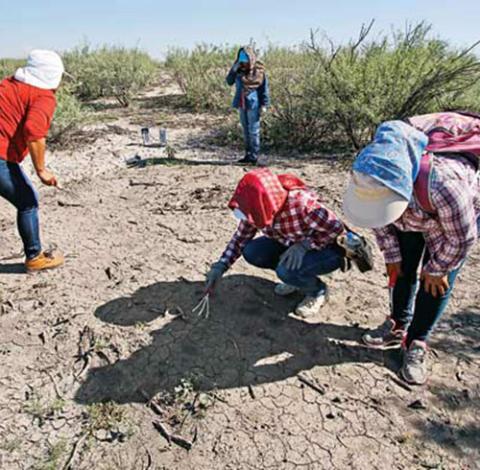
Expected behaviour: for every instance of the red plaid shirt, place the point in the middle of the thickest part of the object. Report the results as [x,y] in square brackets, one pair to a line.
[302,218]
[452,230]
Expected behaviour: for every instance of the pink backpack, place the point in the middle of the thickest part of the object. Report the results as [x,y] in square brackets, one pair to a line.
[449,132]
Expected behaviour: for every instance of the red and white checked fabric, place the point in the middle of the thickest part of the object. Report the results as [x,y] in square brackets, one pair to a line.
[302,218]
[452,230]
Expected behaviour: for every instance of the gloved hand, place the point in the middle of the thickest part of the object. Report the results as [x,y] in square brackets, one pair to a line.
[236,67]
[217,270]
[292,259]
[263,109]
[357,249]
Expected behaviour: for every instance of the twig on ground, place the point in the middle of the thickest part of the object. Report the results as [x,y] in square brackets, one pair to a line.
[73,453]
[55,386]
[86,346]
[251,392]
[152,404]
[312,385]
[148,466]
[162,430]
[192,410]
[180,441]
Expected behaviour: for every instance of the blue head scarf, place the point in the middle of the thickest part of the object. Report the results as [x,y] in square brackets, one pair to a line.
[393,158]
[243,57]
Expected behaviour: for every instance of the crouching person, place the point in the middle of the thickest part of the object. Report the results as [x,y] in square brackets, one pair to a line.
[424,209]
[299,239]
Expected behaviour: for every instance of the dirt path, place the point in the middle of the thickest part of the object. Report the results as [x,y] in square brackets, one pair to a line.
[83,345]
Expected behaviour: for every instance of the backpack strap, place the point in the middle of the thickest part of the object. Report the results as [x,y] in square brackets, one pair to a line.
[421,188]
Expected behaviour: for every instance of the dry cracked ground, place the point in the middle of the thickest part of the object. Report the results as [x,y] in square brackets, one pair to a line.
[104,365]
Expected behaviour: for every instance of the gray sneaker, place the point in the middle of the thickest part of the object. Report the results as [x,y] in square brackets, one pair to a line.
[385,335]
[285,290]
[414,367]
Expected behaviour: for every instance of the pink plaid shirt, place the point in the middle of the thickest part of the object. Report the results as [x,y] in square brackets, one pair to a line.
[452,230]
[302,218]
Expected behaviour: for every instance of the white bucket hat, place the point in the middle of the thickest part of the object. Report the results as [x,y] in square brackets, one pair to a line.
[370,204]
[44,70]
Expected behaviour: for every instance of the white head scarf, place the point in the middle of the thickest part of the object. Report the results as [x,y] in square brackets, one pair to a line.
[44,70]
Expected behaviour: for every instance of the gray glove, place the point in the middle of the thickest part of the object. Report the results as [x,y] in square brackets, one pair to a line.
[217,270]
[292,259]
[236,67]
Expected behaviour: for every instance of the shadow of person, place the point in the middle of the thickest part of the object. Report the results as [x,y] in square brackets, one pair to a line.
[12,268]
[248,339]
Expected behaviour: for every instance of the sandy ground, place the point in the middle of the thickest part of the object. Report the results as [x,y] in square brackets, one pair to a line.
[84,347]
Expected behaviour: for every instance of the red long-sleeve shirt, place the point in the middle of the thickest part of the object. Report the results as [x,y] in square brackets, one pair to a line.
[26,113]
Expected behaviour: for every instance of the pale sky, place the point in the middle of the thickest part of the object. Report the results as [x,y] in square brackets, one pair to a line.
[156,25]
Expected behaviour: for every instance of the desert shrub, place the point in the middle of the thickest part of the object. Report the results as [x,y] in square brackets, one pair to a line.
[8,66]
[201,73]
[70,116]
[116,72]
[367,82]
[325,96]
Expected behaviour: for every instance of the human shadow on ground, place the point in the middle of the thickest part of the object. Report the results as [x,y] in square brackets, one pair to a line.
[249,339]
[12,268]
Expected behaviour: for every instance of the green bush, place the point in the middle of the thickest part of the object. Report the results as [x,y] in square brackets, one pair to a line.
[201,73]
[326,96]
[8,67]
[70,116]
[104,72]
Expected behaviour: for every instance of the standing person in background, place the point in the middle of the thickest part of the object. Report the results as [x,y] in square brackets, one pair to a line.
[27,105]
[251,99]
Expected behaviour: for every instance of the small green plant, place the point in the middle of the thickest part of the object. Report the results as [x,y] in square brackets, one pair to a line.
[107,416]
[56,454]
[41,411]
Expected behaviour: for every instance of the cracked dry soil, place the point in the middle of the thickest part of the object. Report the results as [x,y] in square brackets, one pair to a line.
[252,387]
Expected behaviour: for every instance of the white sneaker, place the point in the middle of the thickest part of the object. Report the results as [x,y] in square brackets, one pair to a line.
[311,305]
[283,289]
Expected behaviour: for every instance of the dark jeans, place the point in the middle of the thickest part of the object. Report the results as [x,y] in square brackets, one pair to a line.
[17,189]
[412,307]
[250,120]
[264,252]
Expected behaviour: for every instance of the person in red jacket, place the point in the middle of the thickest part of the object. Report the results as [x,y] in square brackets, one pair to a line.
[27,105]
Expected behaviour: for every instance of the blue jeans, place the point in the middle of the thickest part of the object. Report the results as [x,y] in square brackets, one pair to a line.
[412,307]
[250,120]
[17,189]
[263,252]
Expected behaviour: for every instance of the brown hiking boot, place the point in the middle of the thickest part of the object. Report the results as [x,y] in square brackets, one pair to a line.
[45,260]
